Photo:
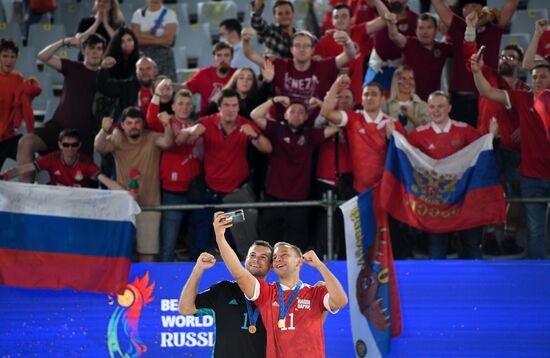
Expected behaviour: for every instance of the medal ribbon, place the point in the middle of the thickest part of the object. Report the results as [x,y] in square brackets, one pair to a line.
[252,314]
[283,309]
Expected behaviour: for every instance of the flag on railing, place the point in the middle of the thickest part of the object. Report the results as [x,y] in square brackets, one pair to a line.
[375,311]
[63,237]
[459,192]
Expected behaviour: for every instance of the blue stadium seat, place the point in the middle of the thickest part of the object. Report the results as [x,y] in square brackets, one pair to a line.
[12,30]
[523,21]
[69,13]
[182,13]
[40,103]
[522,40]
[538,4]
[26,61]
[180,55]
[195,38]
[41,35]
[213,12]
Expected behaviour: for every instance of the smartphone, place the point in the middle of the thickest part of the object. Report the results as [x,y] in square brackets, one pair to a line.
[480,52]
[237,216]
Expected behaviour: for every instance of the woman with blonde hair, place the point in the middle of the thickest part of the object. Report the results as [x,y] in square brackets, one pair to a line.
[404,103]
[106,20]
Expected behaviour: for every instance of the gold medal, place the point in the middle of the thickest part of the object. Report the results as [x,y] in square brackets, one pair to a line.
[252,329]
[281,323]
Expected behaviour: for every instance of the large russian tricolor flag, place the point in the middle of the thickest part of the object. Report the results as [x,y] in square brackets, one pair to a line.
[458,192]
[62,237]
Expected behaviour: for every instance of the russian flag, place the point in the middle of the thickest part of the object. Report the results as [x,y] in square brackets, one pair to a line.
[459,192]
[62,237]
[375,310]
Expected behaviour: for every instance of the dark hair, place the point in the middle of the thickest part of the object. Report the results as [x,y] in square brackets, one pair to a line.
[516,48]
[69,133]
[221,45]
[7,44]
[132,112]
[281,3]
[123,64]
[227,93]
[426,17]
[377,85]
[183,93]
[440,94]
[264,244]
[541,65]
[232,83]
[343,6]
[232,25]
[293,247]
[305,34]
[94,39]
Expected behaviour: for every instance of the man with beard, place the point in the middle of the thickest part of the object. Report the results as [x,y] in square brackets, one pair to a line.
[422,52]
[290,164]
[505,77]
[487,32]
[386,55]
[209,81]
[229,306]
[533,111]
[302,77]
[75,106]
[137,148]
[134,91]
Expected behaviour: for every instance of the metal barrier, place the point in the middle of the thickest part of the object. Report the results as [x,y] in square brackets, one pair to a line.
[329,202]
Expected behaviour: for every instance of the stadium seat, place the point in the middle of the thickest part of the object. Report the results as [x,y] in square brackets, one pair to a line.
[41,35]
[40,103]
[128,8]
[182,13]
[522,40]
[12,30]
[523,21]
[69,13]
[51,106]
[26,61]
[8,9]
[213,12]
[195,38]
[496,4]
[538,4]
[181,58]
[192,8]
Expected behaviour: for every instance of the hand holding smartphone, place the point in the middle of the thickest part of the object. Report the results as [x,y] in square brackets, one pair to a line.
[236,216]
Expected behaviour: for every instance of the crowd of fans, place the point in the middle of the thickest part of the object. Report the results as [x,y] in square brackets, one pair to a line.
[306,116]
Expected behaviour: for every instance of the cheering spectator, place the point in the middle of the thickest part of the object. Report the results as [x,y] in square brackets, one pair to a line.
[155,27]
[276,37]
[106,20]
[230,32]
[75,106]
[124,48]
[539,47]
[403,103]
[210,80]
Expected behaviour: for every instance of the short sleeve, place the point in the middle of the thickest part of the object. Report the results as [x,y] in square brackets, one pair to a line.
[208,298]
[136,17]
[170,17]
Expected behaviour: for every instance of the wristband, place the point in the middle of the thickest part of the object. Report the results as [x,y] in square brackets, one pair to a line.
[470,34]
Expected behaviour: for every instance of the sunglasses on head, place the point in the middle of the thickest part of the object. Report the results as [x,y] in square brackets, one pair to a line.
[67,145]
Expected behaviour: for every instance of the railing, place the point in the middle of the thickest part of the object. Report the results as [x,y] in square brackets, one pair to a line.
[329,202]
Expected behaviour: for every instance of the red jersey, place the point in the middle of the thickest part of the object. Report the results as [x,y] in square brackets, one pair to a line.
[362,12]
[9,83]
[507,120]
[426,63]
[290,162]
[326,163]
[535,148]
[144,98]
[327,47]
[207,83]
[302,336]
[181,163]
[543,49]
[225,163]
[78,175]
[302,85]
[367,146]
[488,35]
[385,47]
[439,143]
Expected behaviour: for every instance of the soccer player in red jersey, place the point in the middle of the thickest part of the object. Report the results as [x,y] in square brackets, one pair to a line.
[534,123]
[292,311]
[66,166]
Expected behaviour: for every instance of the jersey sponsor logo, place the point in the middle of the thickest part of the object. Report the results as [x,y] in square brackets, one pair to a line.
[431,146]
[57,172]
[78,176]
[286,140]
[301,140]
[304,304]
[233,302]
[361,130]
[403,27]
[275,304]
[300,88]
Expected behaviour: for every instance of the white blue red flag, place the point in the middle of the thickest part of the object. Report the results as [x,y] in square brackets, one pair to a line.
[63,237]
[459,192]
[375,311]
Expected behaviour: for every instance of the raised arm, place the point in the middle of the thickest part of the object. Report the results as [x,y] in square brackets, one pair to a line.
[101,142]
[529,58]
[246,37]
[190,134]
[443,11]
[378,23]
[167,139]
[47,54]
[191,288]
[246,281]
[259,113]
[483,86]
[342,38]
[257,139]
[398,38]
[328,109]
[507,12]
[337,295]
